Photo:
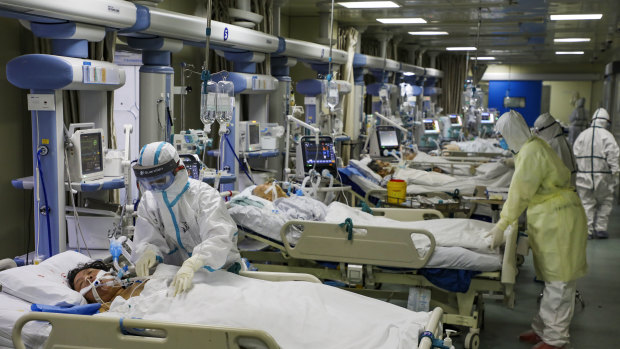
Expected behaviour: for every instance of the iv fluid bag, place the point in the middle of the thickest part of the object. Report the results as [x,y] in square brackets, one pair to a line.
[331,94]
[225,101]
[208,106]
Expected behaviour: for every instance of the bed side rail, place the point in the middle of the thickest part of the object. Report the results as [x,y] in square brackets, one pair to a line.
[276,276]
[79,331]
[407,214]
[433,325]
[373,245]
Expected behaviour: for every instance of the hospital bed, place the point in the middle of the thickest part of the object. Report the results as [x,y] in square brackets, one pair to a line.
[381,256]
[48,330]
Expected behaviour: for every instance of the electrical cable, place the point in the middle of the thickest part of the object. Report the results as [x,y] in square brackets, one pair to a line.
[75,213]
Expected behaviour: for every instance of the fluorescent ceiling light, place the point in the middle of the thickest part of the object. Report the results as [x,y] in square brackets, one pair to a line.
[402,20]
[468,48]
[428,33]
[483,58]
[571,40]
[369,4]
[576,17]
[568,52]
[408,73]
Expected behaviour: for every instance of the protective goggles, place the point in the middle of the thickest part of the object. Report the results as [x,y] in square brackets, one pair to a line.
[156,177]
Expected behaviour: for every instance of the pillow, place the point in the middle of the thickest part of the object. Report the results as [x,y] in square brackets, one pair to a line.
[366,171]
[45,283]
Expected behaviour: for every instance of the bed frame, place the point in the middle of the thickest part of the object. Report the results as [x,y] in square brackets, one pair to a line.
[363,265]
[97,332]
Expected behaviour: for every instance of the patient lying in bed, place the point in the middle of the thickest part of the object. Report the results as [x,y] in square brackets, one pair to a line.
[297,314]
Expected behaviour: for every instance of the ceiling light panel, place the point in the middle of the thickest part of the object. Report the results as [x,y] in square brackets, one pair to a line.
[412,20]
[428,32]
[483,58]
[568,52]
[576,17]
[369,4]
[461,48]
[571,40]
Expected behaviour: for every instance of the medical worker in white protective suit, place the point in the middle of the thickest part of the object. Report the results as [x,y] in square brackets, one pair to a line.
[597,154]
[578,119]
[547,128]
[556,227]
[181,221]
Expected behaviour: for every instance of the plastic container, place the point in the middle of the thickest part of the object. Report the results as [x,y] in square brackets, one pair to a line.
[419,299]
[95,230]
[113,163]
[396,191]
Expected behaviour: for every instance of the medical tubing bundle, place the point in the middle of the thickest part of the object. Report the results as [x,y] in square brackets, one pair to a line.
[47,216]
[75,214]
[239,161]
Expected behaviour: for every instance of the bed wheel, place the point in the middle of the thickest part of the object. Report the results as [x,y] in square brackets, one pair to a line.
[520,260]
[472,341]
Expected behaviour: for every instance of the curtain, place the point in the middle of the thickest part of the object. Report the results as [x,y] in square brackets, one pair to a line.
[351,41]
[453,67]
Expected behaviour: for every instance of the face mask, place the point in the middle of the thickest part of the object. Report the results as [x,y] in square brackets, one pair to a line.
[102,278]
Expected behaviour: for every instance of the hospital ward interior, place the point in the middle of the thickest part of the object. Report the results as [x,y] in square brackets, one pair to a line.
[310,174]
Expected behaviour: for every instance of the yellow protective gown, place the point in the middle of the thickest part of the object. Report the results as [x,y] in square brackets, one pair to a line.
[557,224]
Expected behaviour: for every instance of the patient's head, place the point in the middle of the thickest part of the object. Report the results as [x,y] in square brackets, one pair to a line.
[265,191]
[382,168]
[83,276]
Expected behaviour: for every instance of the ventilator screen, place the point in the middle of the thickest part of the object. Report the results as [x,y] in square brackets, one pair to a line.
[91,153]
[254,131]
[388,138]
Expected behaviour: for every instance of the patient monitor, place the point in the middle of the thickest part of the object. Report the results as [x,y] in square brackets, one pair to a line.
[384,140]
[487,124]
[86,156]
[311,155]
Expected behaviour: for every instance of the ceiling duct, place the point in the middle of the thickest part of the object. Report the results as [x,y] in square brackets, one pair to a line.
[243,16]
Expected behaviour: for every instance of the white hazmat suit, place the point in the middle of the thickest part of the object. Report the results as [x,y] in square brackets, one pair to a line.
[551,131]
[578,120]
[186,224]
[597,155]
[556,225]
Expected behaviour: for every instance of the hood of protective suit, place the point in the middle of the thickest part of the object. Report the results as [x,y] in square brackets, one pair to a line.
[601,118]
[580,102]
[513,128]
[547,127]
[159,153]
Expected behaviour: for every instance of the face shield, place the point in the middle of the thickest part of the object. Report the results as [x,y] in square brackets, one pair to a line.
[156,177]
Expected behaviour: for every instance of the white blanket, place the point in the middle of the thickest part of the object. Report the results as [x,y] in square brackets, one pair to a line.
[482,145]
[297,314]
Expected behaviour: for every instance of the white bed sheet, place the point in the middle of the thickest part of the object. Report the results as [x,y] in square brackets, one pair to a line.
[11,309]
[297,314]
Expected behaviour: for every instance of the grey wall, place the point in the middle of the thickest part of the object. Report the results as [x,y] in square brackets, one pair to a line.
[15,142]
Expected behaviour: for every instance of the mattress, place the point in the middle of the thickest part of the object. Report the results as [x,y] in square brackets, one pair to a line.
[11,309]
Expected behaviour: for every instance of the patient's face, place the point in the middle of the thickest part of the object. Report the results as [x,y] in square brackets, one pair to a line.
[386,168]
[81,281]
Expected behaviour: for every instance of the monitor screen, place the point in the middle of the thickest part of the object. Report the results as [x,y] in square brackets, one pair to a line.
[388,138]
[321,155]
[429,126]
[486,118]
[192,165]
[92,157]
[254,133]
[455,120]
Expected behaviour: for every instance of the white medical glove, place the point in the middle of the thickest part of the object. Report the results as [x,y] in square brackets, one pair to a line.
[183,279]
[497,233]
[146,262]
